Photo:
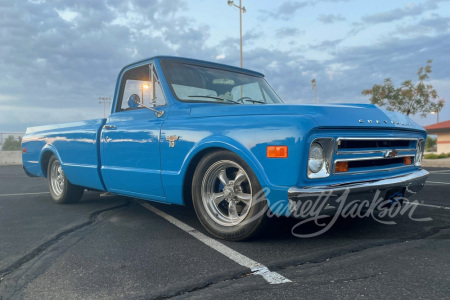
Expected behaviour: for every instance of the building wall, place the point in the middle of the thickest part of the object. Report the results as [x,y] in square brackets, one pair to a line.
[443,143]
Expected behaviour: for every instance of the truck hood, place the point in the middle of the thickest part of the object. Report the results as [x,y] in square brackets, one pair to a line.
[330,115]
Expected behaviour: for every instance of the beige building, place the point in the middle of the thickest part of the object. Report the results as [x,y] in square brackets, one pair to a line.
[442,130]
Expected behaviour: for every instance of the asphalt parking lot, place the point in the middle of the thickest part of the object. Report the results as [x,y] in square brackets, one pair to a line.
[114,247]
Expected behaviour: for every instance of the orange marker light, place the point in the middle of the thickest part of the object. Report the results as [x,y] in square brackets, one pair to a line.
[24,150]
[341,166]
[407,160]
[277,151]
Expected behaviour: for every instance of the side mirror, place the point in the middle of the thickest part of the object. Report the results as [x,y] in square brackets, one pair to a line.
[133,101]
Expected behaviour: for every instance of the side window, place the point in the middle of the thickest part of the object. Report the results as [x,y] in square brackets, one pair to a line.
[137,82]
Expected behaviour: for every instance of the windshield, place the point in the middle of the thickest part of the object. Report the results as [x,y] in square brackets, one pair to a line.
[194,83]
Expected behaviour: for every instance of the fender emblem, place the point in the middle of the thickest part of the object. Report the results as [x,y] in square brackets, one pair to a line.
[391,154]
[172,140]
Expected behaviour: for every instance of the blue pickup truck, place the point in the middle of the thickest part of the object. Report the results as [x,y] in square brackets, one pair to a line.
[187,131]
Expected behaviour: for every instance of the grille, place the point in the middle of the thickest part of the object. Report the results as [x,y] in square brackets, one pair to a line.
[374,154]
[372,144]
[374,163]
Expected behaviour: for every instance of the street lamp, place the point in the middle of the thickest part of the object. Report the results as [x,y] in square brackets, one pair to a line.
[144,86]
[241,10]
[437,115]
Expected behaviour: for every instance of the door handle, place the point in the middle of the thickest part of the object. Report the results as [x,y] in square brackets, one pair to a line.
[108,139]
[109,127]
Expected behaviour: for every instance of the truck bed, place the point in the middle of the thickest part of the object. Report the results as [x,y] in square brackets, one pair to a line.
[75,144]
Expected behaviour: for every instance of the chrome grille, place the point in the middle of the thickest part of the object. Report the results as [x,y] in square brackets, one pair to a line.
[374,154]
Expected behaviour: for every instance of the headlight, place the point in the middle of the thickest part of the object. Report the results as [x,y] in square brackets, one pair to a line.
[420,150]
[320,158]
[316,158]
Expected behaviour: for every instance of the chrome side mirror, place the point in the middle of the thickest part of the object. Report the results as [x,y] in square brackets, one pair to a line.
[134,101]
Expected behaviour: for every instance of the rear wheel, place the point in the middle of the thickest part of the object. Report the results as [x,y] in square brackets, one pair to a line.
[227,197]
[61,189]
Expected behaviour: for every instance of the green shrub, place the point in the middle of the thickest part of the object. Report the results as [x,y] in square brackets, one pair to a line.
[11,144]
[436,156]
[430,143]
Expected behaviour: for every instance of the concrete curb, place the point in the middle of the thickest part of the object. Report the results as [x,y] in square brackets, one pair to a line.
[436,163]
[10,158]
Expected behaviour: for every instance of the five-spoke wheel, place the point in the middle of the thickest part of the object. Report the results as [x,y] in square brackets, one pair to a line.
[61,189]
[226,193]
[226,196]
[57,178]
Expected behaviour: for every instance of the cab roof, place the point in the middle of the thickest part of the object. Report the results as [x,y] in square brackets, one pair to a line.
[196,62]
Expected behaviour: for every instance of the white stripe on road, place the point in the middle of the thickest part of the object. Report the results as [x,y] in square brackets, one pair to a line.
[436,182]
[255,267]
[428,205]
[23,194]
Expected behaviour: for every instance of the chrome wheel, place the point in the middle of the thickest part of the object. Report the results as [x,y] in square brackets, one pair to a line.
[226,193]
[57,178]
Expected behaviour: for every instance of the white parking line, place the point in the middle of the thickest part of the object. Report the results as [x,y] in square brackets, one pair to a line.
[437,182]
[23,194]
[255,267]
[429,205]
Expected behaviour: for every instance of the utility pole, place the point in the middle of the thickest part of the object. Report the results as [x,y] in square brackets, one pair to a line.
[104,100]
[313,86]
[241,11]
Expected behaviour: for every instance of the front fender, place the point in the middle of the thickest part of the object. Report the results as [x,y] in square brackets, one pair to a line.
[246,136]
[235,146]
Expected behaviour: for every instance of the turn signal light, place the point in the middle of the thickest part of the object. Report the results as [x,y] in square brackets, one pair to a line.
[407,160]
[277,151]
[24,150]
[341,166]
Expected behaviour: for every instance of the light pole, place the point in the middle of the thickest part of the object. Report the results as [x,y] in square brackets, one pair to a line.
[104,100]
[241,10]
[437,115]
[313,86]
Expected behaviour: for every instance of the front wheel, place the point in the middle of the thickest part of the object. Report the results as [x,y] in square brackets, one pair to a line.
[61,189]
[227,197]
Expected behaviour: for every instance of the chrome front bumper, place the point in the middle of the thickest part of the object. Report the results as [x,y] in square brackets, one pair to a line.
[407,184]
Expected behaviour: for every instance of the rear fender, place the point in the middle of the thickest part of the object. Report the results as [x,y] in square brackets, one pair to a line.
[45,155]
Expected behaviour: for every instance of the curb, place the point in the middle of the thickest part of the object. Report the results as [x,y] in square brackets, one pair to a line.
[10,158]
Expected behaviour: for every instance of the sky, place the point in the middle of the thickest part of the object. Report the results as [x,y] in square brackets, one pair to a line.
[57,57]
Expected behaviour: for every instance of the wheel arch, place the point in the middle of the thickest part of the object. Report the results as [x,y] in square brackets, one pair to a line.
[201,150]
[45,156]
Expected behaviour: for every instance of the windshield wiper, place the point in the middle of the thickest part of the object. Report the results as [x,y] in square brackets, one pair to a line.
[256,101]
[213,97]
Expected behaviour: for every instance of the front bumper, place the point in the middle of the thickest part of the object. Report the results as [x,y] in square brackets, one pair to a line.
[405,185]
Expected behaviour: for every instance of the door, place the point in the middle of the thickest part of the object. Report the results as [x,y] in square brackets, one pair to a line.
[130,152]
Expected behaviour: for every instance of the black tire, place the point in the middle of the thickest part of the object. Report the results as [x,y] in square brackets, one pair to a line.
[241,214]
[61,190]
